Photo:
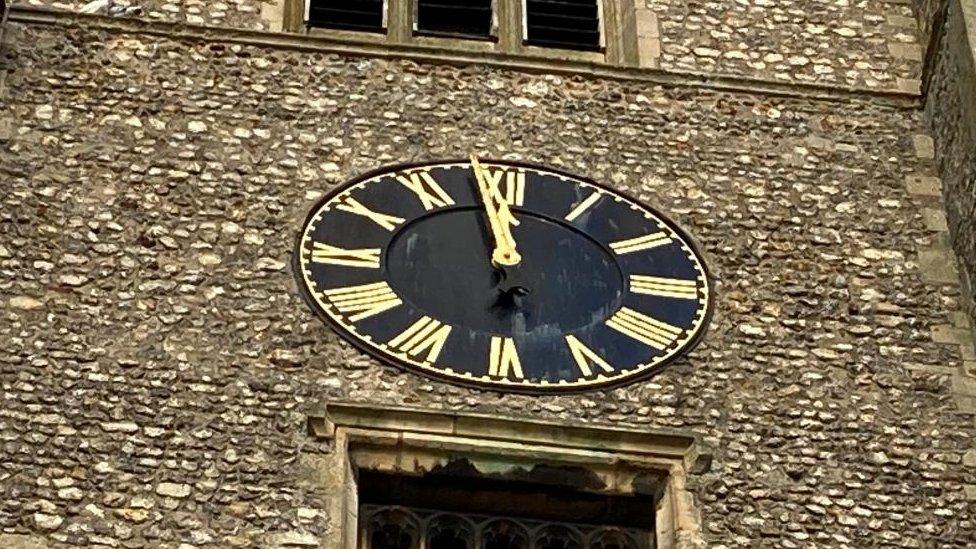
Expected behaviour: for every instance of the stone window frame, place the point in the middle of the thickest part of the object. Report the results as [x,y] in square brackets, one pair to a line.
[403,440]
[629,35]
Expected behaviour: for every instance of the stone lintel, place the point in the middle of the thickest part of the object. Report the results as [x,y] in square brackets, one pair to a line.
[567,437]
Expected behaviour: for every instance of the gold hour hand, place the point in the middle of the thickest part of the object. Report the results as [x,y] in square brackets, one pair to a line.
[499,218]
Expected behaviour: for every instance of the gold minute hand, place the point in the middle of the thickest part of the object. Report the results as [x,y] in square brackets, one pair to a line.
[499,218]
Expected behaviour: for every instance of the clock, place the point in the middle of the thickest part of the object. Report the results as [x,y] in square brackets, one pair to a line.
[503,275]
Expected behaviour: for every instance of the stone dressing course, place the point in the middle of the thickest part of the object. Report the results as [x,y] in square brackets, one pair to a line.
[853,44]
[158,364]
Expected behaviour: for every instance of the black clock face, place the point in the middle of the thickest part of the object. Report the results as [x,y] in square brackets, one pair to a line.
[603,290]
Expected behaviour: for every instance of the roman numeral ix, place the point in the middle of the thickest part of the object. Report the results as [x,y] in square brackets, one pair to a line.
[643,328]
[365,300]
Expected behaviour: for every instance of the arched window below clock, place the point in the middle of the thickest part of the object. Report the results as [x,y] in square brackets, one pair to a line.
[403,478]
[458,510]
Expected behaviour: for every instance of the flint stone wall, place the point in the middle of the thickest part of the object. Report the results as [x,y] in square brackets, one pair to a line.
[157,362]
[951,112]
[241,14]
[868,44]
[837,42]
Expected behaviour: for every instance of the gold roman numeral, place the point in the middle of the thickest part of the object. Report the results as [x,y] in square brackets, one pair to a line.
[584,356]
[431,194]
[513,191]
[643,328]
[503,359]
[333,255]
[365,300]
[645,242]
[583,206]
[425,334]
[665,287]
[353,206]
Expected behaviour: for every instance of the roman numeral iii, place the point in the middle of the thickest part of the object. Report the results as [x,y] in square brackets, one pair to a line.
[664,287]
[503,359]
[513,192]
[353,206]
[645,242]
[365,300]
[643,328]
[429,192]
[426,334]
[368,258]
[584,356]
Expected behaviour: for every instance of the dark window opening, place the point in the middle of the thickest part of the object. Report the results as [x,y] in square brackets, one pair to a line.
[455,18]
[451,511]
[356,15]
[568,24]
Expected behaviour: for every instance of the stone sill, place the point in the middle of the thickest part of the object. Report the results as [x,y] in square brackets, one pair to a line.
[328,43]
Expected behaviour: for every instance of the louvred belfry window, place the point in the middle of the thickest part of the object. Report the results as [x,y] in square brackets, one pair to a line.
[356,15]
[454,18]
[567,24]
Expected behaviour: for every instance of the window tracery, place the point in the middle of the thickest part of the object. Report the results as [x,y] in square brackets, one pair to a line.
[395,527]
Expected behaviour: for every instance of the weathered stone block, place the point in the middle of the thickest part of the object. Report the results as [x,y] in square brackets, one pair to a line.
[938,265]
[900,21]
[924,146]
[909,85]
[647,23]
[935,220]
[964,385]
[925,185]
[901,50]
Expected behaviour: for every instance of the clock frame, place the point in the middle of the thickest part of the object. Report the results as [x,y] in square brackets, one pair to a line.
[363,308]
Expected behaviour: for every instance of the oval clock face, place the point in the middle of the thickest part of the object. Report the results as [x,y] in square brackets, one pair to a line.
[503,275]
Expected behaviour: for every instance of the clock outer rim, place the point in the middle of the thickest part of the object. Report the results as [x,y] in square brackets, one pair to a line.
[498,386]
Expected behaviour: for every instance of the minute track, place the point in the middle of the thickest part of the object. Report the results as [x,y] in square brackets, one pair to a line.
[597,266]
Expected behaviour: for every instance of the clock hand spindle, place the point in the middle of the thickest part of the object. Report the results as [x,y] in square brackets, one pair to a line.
[499,218]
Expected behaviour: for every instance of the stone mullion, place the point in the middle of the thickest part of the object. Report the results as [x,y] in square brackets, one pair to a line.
[399,20]
[510,25]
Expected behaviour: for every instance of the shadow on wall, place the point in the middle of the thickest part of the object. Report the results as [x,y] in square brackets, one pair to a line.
[950,108]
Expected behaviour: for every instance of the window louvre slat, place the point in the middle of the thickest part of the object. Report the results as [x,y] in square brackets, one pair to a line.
[459,18]
[569,24]
[359,15]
